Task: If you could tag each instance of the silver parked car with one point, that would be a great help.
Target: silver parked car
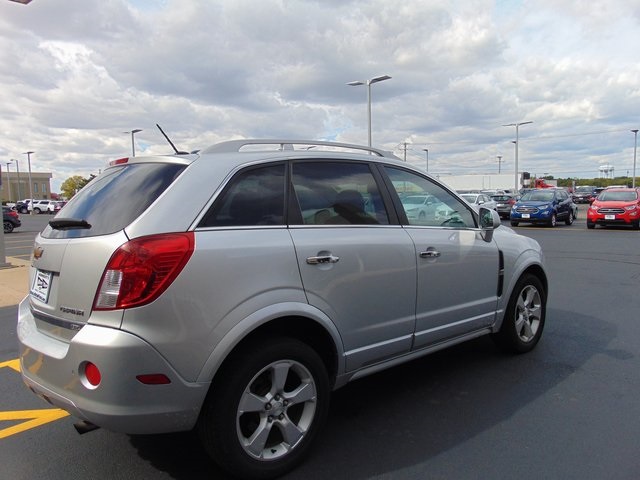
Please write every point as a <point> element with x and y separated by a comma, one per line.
<point>289,272</point>
<point>480,200</point>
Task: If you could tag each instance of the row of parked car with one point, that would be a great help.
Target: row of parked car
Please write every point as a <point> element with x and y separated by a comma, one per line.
<point>38,206</point>
<point>615,205</point>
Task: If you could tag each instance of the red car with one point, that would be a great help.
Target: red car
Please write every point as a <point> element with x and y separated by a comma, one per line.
<point>615,206</point>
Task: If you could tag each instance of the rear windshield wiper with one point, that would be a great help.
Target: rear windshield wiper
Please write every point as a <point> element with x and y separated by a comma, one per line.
<point>68,223</point>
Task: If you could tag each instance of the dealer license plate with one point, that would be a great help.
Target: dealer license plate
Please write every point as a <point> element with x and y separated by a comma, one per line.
<point>609,217</point>
<point>526,215</point>
<point>41,285</point>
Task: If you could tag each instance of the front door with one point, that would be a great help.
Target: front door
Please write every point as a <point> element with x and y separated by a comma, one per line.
<point>457,270</point>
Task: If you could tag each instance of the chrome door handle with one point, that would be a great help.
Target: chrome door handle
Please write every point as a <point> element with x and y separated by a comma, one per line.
<point>430,254</point>
<point>322,259</point>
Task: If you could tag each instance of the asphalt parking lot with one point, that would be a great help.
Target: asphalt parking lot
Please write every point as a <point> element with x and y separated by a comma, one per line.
<point>569,409</point>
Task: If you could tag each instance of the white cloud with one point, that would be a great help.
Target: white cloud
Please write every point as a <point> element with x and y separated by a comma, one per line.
<point>76,75</point>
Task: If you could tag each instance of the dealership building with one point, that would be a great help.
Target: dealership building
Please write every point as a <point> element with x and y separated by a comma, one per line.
<point>15,186</point>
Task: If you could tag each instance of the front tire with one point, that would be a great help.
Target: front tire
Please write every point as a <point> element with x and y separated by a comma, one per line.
<point>524,318</point>
<point>8,227</point>
<point>514,223</point>
<point>553,221</point>
<point>265,408</point>
<point>591,225</point>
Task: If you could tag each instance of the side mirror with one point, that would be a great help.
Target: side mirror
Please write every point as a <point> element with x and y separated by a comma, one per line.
<point>489,221</point>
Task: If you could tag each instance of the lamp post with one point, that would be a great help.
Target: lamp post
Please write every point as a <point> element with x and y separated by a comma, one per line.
<point>18,173</point>
<point>28,154</point>
<point>427,152</point>
<point>517,125</point>
<point>9,178</point>
<point>635,148</point>
<point>133,143</point>
<point>499,162</point>
<point>368,83</point>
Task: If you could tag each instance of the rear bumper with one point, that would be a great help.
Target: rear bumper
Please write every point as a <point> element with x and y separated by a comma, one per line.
<point>53,369</point>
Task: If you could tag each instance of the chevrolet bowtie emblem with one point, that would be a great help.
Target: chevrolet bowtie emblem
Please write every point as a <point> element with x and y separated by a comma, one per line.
<point>37,252</point>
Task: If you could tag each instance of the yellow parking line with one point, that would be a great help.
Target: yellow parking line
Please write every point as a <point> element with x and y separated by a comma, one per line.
<point>34,418</point>
<point>13,364</point>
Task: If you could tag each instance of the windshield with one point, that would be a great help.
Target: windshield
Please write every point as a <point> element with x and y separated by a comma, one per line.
<point>114,199</point>
<point>584,189</point>
<point>618,196</point>
<point>537,196</point>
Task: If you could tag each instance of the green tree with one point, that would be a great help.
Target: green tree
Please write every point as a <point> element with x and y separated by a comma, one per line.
<point>73,185</point>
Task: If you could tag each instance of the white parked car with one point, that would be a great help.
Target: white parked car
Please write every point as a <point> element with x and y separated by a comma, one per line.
<point>480,200</point>
<point>44,206</point>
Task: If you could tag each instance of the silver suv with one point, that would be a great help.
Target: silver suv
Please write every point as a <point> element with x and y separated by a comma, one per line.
<point>289,272</point>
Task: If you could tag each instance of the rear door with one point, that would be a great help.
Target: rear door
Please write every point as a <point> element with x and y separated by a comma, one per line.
<point>357,265</point>
<point>457,270</point>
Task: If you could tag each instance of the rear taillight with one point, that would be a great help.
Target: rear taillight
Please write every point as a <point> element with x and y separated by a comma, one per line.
<point>141,269</point>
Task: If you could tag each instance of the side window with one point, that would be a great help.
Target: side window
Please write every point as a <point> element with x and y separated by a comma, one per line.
<point>253,197</point>
<point>338,193</point>
<point>427,203</point>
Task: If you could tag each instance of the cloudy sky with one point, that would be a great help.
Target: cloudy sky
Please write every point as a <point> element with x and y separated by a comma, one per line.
<point>76,74</point>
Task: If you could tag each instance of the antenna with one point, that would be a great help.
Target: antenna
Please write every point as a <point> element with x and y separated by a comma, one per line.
<point>170,142</point>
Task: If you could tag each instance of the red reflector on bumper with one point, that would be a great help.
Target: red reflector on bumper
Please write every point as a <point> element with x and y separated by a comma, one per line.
<point>153,379</point>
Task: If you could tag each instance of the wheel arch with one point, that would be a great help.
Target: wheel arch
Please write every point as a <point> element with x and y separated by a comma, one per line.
<point>535,269</point>
<point>315,330</point>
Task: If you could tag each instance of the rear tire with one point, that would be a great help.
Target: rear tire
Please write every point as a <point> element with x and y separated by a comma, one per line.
<point>569,219</point>
<point>524,317</point>
<point>265,408</point>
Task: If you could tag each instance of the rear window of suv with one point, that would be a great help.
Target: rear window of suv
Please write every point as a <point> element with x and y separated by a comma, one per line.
<point>116,198</point>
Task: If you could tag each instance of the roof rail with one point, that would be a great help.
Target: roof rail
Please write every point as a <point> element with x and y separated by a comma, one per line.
<point>233,146</point>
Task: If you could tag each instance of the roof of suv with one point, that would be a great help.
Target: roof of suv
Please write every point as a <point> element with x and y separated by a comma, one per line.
<point>237,146</point>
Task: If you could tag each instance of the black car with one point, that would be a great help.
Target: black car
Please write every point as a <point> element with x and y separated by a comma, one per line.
<point>584,194</point>
<point>10,219</point>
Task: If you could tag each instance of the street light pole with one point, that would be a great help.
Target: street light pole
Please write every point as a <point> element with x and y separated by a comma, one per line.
<point>499,162</point>
<point>28,154</point>
<point>368,83</point>
<point>9,179</point>
<point>18,172</point>
<point>635,148</point>
<point>517,125</point>
<point>133,143</point>
<point>427,151</point>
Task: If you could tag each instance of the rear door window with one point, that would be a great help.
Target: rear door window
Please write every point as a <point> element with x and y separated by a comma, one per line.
<point>113,200</point>
<point>338,193</point>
